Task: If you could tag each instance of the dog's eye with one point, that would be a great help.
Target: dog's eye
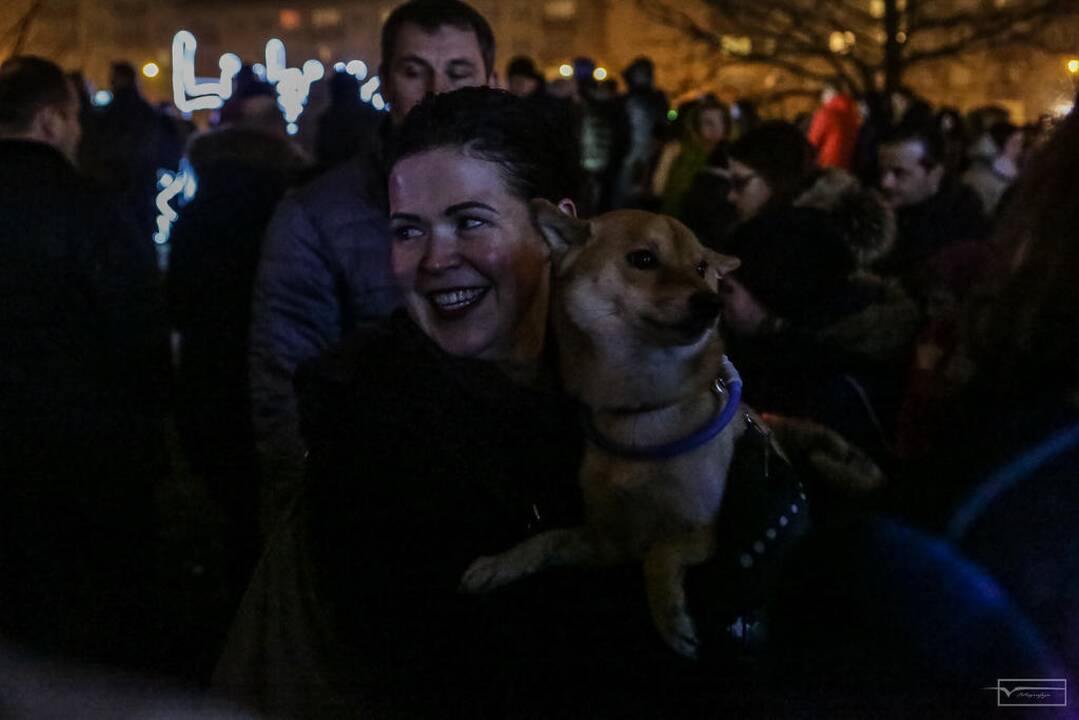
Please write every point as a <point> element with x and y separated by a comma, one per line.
<point>702,267</point>
<point>643,259</point>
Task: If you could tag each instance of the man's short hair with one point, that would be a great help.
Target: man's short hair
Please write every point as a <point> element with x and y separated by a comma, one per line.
<point>433,14</point>
<point>928,136</point>
<point>27,85</point>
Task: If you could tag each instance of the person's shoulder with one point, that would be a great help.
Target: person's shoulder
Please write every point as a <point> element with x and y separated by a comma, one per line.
<point>355,189</point>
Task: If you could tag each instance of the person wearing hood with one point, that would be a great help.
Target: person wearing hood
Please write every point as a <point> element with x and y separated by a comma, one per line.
<point>816,334</point>
<point>243,171</point>
<point>834,130</point>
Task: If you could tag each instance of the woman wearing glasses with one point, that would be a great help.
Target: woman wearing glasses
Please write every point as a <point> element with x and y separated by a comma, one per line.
<point>821,337</point>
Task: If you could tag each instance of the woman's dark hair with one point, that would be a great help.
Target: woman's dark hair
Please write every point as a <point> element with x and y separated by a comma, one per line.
<point>532,140</point>
<point>781,155</point>
<point>431,15</point>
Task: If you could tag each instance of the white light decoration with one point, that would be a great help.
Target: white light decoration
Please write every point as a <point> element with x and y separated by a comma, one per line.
<point>367,90</point>
<point>357,68</point>
<point>259,70</point>
<point>293,84</point>
<point>339,67</point>
<point>189,94</point>
<point>102,98</point>
<point>171,184</point>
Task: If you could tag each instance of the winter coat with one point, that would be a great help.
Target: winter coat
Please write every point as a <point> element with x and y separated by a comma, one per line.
<point>215,244</point>
<point>422,462</point>
<point>80,425</point>
<point>324,268</point>
<point>953,216</point>
<point>839,343</point>
<point>834,132</point>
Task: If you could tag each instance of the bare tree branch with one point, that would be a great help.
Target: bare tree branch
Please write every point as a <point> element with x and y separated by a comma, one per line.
<point>813,40</point>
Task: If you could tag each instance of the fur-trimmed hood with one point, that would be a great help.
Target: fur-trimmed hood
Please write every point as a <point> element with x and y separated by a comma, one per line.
<point>866,224</point>
<point>250,148</point>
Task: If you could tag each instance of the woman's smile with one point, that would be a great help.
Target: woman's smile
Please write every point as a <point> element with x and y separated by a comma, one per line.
<point>456,302</point>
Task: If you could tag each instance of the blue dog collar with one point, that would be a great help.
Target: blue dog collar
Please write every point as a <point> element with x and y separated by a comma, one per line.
<point>731,387</point>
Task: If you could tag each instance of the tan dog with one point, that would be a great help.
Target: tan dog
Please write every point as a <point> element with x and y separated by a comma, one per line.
<point>635,318</point>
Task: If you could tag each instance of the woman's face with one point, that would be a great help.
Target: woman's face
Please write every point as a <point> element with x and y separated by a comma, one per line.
<point>713,127</point>
<point>474,271</point>
<point>749,192</point>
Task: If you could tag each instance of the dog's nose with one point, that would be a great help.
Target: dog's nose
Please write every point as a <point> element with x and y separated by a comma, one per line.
<point>705,305</point>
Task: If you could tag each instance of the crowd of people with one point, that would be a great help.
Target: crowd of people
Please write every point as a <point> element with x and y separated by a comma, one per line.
<point>349,348</point>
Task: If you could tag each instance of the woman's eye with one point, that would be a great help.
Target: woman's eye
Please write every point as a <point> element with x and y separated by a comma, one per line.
<point>643,259</point>
<point>470,223</point>
<point>406,232</point>
<point>702,267</point>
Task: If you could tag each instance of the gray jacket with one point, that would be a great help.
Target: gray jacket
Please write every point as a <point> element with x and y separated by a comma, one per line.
<point>324,269</point>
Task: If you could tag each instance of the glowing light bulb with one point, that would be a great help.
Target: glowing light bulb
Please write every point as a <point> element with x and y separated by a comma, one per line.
<point>672,115</point>
<point>600,74</point>
<point>1073,66</point>
<point>339,67</point>
<point>292,128</point>
<point>566,71</point>
<point>151,70</point>
<point>102,98</point>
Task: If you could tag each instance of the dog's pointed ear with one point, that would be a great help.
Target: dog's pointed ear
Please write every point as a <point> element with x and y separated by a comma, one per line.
<point>561,231</point>
<point>721,264</point>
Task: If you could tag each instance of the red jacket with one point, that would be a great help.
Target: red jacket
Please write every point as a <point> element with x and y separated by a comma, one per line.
<point>834,132</point>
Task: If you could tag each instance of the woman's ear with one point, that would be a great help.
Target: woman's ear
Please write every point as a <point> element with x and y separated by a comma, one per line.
<point>559,224</point>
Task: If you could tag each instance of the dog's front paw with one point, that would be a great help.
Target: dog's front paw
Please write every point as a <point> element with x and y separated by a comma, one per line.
<point>488,573</point>
<point>680,633</point>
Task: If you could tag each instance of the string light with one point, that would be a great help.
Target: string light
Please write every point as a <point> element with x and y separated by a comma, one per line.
<point>102,98</point>
<point>188,93</point>
<point>150,70</point>
<point>170,185</point>
<point>293,85</point>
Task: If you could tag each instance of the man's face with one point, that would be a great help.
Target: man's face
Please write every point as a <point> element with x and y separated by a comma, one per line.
<point>904,178</point>
<point>59,126</point>
<point>438,61</point>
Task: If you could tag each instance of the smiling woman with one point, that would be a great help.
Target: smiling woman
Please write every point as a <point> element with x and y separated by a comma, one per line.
<point>474,270</point>
<point>441,436</point>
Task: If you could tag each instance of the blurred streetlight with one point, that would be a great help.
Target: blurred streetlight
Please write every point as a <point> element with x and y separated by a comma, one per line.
<point>150,70</point>
<point>1073,66</point>
<point>600,74</point>
<point>566,71</point>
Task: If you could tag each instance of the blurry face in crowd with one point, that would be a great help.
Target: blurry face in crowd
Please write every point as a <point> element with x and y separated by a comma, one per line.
<point>713,126</point>
<point>423,62</point>
<point>1013,148</point>
<point>523,85</point>
<point>904,178</point>
<point>749,192</point>
<point>59,126</point>
<point>474,271</point>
